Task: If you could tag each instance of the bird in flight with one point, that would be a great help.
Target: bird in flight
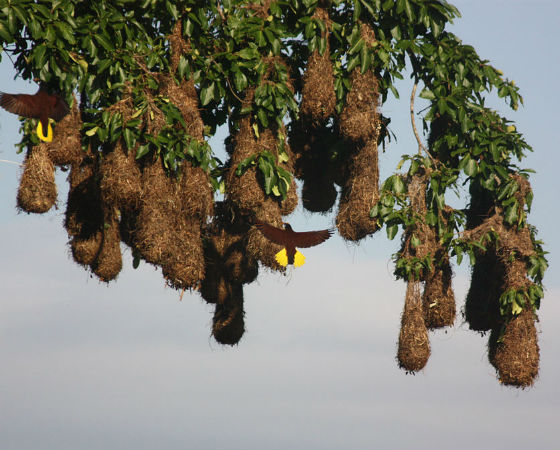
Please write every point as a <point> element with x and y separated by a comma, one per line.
<point>290,240</point>
<point>42,106</point>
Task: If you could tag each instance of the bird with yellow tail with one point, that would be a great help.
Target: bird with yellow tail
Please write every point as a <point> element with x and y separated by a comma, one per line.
<point>290,240</point>
<point>42,105</point>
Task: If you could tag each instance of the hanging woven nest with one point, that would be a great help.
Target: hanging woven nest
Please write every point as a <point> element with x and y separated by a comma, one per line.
<point>84,220</point>
<point>37,188</point>
<point>228,324</point>
<point>108,263</point>
<point>414,344</point>
<point>514,351</point>
<point>120,178</point>
<point>66,146</point>
<point>318,99</point>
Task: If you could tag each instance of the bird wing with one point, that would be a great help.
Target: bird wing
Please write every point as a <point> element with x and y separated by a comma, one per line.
<point>60,109</point>
<point>273,234</point>
<point>20,104</point>
<point>305,239</point>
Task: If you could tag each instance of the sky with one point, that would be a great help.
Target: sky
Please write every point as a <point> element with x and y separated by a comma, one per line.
<point>129,365</point>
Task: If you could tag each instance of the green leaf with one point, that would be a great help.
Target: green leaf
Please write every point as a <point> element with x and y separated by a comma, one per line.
<point>398,185</point>
<point>427,94</point>
<point>471,168</point>
<point>142,151</point>
<point>392,231</point>
<point>207,94</point>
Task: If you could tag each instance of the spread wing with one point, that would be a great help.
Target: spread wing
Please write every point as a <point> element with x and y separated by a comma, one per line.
<point>273,234</point>
<point>20,104</point>
<point>310,238</point>
<point>60,108</point>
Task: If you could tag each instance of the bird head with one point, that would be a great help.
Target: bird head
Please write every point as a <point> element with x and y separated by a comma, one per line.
<point>287,226</point>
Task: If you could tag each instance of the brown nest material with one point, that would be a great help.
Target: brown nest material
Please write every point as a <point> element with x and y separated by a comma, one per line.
<point>195,192</point>
<point>318,193</point>
<point>438,299</point>
<point>225,256</point>
<point>66,146</point>
<point>428,245</point>
<point>177,44</point>
<point>185,98</point>
<point>108,263</point>
<point>228,324</point>
<point>318,98</point>
<point>86,249</point>
<point>500,268</point>
<point>120,178</point>
<point>359,120</point>
<point>37,188</point>
<point>183,267</point>
<point>482,307</point>
<point>245,191</point>
<point>165,234</point>
<point>154,227</point>
<point>259,247</point>
<point>514,351</point>
<point>414,344</point>
<point>359,194</point>
<point>84,216</point>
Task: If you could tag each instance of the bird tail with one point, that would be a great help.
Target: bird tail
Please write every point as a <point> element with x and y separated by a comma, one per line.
<point>41,134</point>
<point>299,259</point>
<point>282,257</point>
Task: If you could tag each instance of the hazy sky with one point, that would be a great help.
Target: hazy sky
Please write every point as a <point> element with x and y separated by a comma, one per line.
<point>129,366</point>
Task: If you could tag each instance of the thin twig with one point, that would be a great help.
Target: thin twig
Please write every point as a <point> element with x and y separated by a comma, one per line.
<point>11,162</point>
<point>412,96</point>
<point>420,145</point>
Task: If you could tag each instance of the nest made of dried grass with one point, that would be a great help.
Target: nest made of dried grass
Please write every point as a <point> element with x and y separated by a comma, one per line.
<point>318,193</point>
<point>37,188</point>
<point>482,308</point>
<point>359,194</point>
<point>359,120</point>
<point>183,265</point>
<point>85,248</point>
<point>195,192</point>
<point>154,228</point>
<point>120,177</point>
<point>258,246</point>
<point>166,235</point>
<point>225,254</point>
<point>84,218</point>
<point>228,324</point>
<point>438,299</point>
<point>503,266</point>
<point>245,191</point>
<point>514,350</point>
<point>83,207</point>
<point>318,98</point>
<point>66,146</point>
<point>108,263</point>
<point>414,344</point>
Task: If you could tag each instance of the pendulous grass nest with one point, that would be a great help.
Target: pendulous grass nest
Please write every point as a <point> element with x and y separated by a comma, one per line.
<point>37,188</point>
<point>414,345</point>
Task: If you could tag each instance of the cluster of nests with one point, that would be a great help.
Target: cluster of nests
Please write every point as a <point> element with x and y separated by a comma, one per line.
<point>512,347</point>
<point>356,127</point>
<point>435,307</point>
<point>172,221</point>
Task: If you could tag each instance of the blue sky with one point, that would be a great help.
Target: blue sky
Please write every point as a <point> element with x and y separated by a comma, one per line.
<point>129,365</point>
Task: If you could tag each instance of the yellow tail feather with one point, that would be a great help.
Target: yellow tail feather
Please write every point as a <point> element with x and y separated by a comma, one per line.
<point>299,259</point>
<point>49,136</point>
<point>282,257</point>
